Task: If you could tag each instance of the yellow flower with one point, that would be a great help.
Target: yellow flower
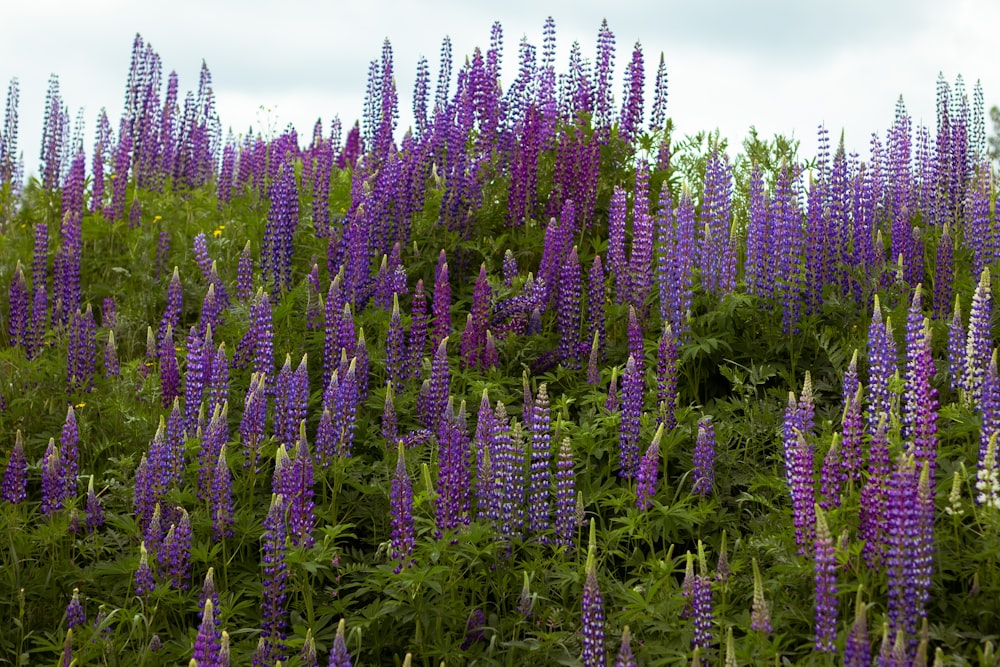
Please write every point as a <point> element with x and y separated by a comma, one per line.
<point>217,233</point>
<point>157,218</point>
<point>80,405</point>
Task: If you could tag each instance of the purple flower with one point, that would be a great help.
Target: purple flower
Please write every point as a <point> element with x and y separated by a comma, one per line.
<point>273,616</point>
<point>401,509</point>
<point>175,302</point>
<point>143,578</point>
<point>177,552</point>
<point>15,478</point>
<point>222,498</point>
<point>95,515</point>
<point>395,359</point>
<point>633,385</point>
<point>956,348</point>
<point>111,365</point>
<point>625,656</point>
<point>616,244</point>
<point>666,377</point>
<point>53,486</point>
<point>19,310</point>
<point>646,483</point>
<point>704,458</point>
<point>858,650</point>
<point>253,420</point>
<point>701,609</point>
<point>441,305</point>
<point>760,611</point>
<point>592,606</point>
<point>339,657</point>
<point>75,615</point>
<point>564,498</point>
<point>596,296</point>
<point>978,346</point>
<point>82,354</point>
<point>206,644</point>
<point>418,331</point>
<point>169,372</point>
<point>825,561</point>
<point>540,442</point>
<point>509,268</point>
<point>799,474</point>
<point>244,275</point>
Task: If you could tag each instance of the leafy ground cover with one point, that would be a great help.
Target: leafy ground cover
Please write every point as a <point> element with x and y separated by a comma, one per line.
<point>541,381</point>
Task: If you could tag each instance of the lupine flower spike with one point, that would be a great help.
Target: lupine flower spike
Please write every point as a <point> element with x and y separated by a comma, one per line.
<point>593,609</point>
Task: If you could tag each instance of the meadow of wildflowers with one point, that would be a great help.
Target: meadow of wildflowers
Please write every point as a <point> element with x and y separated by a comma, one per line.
<point>537,379</point>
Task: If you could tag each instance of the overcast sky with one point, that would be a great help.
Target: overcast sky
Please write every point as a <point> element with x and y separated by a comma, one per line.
<point>782,66</point>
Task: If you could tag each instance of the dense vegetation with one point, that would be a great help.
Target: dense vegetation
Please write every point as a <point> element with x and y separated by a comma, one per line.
<point>541,381</point>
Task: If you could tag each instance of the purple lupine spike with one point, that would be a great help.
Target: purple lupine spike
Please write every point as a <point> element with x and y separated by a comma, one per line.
<point>611,402</point>
<point>82,354</point>
<point>401,509</point>
<point>253,419</point>
<point>15,477</point>
<point>592,609</point>
<point>641,258</point>
<point>914,342</point>
<point>195,373</point>
<point>95,515</point>
<point>301,508</point>
<point>488,508</point>
<point>596,297</point>
<point>286,405</point>
<point>206,644</point>
<point>222,498</point>
<point>922,397</point>
<point>439,386</point>
<point>418,331</point>
<point>760,613</point>
<point>389,420</point>
<point>345,407</point>
<point>563,502</point>
<point>261,335</point>
<point>648,471</point>
<point>858,650</point>
<point>177,548</point>
<point>625,656</point>
<point>666,377</point>
<point>509,268</point>
<point>441,304</point>
<point>799,474</point>
<point>630,120</point>
<point>568,310</point>
<point>339,657</point>
<point>395,360</point>
<point>678,252</point>
<point>593,375</point>
<point>604,66</point>
<point>852,427</point>
<point>18,330</point>
<point>633,386</point>
<point>213,436</point>
<point>882,366</point>
<point>833,475</point>
<point>274,622</point>
<point>244,275</point>
<point>540,443</point>
<point>956,348</point>
<point>989,409</point>
<point>218,377</point>
<point>53,487</point>
<point>111,366</point>
<point>701,611</point>
<point>75,614</point>
<point>704,458</point>
<point>491,357</point>
<point>39,322</point>
<point>874,496</point>
<point>143,578</point>
<point>902,537</point>
<point>825,560</point>
<point>282,219</point>
<point>716,259</point>
<point>616,244</point>
<point>506,455</point>
<point>978,343</point>
<point>69,449</point>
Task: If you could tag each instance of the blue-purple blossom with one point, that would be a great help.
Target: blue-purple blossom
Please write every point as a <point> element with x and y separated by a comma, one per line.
<point>825,562</point>
<point>592,606</point>
<point>401,511</point>
<point>704,458</point>
<point>15,477</point>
